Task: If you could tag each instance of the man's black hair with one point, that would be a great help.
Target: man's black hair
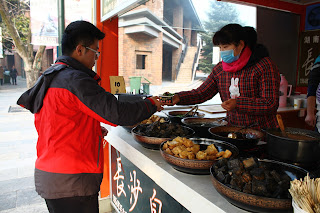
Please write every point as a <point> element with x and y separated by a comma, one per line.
<point>79,32</point>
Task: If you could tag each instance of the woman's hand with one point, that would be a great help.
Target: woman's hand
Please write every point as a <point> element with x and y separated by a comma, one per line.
<point>229,104</point>
<point>175,100</point>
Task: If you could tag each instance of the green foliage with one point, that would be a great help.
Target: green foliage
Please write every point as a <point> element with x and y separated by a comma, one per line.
<point>22,25</point>
<point>221,14</point>
<point>17,11</point>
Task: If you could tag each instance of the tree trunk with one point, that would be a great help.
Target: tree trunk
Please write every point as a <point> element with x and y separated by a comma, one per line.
<point>32,64</point>
<point>29,76</point>
<point>36,66</point>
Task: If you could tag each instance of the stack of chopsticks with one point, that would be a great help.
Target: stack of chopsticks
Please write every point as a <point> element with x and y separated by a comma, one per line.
<point>306,194</point>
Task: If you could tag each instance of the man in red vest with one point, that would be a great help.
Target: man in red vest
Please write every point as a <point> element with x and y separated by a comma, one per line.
<point>69,105</point>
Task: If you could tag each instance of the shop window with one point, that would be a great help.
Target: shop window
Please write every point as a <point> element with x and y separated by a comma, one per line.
<point>141,62</point>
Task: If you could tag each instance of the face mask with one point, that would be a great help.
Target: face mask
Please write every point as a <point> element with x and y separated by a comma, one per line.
<point>228,56</point>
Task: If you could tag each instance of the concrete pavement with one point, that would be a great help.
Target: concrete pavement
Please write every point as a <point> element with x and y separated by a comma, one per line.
<point>18,139</point>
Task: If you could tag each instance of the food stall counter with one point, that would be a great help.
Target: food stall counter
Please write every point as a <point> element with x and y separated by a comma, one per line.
<point>139,176</point>
<point>194,192</point>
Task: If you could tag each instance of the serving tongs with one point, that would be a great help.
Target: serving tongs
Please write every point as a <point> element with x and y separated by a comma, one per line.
<point>215,122</point>
<point>165,113</point>
<point>193,113</point>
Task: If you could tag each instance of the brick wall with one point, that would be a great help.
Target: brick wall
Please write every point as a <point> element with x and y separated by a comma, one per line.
<point>194,38</point>
<point>133,44</point>
<point>187,30</point>
<point>47,59</point>
<point>156,7</point>
<point>130,45</point>
<point>178,23</point>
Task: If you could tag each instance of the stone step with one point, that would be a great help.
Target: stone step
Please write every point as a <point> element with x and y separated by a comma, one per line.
<point>185,72</point>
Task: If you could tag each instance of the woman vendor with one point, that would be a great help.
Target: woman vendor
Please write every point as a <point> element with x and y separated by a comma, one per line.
<point>247,80</point>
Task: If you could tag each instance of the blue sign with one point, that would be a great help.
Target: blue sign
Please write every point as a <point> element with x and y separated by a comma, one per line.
<point>313,17</point>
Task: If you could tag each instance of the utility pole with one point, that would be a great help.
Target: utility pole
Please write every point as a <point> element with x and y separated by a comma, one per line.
<point>61,21</point>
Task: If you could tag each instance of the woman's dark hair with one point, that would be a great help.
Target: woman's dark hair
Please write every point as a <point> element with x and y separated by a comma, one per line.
<point>233,33</point>
<point>79,32</point>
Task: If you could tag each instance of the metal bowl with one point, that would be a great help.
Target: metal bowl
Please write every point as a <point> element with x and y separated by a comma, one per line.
<point>302,152</point>
<point>129,128</point>
<point>254,203</point>
<point>198,166</point>
<point>177,116</point>
<point>155,142</point>
<point>221,133</point>
<point>201,125</point>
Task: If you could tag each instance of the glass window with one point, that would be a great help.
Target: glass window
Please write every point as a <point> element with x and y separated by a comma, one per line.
<point>141,62</point>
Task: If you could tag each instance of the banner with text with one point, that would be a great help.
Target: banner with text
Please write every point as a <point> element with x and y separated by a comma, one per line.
<point>44,18</point>
<point>44,22</point>
<point>133,191</point>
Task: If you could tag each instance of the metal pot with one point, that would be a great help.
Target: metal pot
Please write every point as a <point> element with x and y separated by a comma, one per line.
<point>221,132</point>
<point>201,125</point>
<point>176,116</point>
<point>291,150</point>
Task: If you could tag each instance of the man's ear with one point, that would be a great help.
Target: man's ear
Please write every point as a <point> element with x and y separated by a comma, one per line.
<point>79,50</point>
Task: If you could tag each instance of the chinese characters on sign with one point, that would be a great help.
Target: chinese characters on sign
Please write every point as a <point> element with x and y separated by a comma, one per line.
<point>119,178</point>
<point>309,50</point>
<point>155,203</point>
<point>134,188</point>
<point>133,191</point>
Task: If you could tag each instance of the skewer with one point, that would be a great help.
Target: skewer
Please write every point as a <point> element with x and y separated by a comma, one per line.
<point>306,193</point>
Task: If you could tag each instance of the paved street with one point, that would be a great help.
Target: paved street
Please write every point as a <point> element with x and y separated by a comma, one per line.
<point>17,154</point>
